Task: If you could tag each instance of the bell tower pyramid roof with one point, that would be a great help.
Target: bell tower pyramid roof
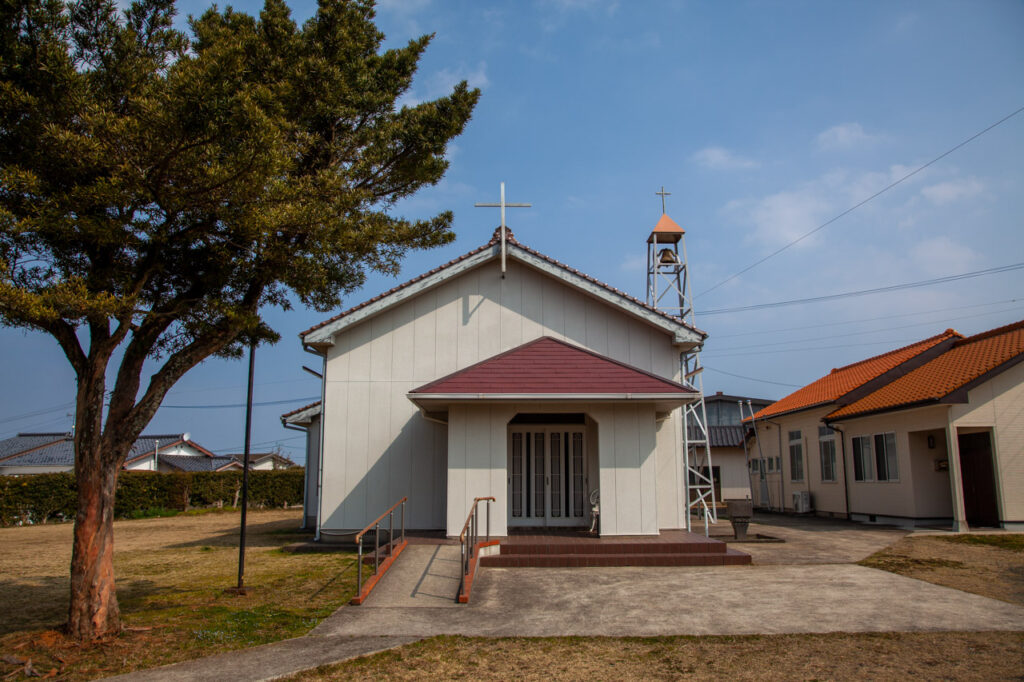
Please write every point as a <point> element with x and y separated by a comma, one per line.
<point>667,231</point>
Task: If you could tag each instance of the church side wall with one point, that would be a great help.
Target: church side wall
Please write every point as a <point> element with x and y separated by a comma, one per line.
<point>377,447</point>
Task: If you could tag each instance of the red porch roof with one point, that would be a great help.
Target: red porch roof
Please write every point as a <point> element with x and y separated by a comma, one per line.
<point>547,367</point>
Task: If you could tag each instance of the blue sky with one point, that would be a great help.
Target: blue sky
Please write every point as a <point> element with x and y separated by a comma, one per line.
<point>764,120</point>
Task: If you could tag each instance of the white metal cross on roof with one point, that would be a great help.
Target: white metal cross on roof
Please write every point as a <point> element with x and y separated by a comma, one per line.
<point>502,205</point>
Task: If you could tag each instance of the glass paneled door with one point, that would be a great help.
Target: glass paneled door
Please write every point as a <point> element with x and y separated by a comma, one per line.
<point>547,481</point>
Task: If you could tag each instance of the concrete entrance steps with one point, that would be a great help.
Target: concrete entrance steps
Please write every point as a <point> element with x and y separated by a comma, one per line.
<point>575,549</point>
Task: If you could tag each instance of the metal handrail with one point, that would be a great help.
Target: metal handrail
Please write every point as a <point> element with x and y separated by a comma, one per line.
<point>375,524</point>
<point>469,537</point>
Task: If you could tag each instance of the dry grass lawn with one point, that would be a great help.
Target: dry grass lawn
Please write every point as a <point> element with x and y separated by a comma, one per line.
<point>897,656</point>
<point>171,577</point>
<point>989,565</point>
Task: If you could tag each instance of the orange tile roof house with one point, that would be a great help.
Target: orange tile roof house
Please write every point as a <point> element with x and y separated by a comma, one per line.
<point>932,433</point>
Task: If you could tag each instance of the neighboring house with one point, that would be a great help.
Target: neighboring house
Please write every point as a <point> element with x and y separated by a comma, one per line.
<point>729,458</point>
<point>41,453</point>
<point>932,433</point>
<point>264,461</point>
<point>529,382</point>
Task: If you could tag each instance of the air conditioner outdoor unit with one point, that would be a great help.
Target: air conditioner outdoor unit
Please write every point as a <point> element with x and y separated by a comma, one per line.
<point>802,502</point>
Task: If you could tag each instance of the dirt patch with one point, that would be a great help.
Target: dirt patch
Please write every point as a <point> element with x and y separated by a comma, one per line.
<point>956,656</point>
<point>989,565</point>
<point>171,575</point>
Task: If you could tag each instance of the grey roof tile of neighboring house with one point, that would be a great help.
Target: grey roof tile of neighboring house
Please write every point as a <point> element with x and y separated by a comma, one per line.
<point>59,453</point>
<point>58,449</point>
<point>722,436</point>
<point>193,463</point>
<point>24,442</point>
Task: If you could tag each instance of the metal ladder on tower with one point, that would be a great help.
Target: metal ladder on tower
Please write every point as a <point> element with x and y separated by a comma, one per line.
<point>668,290</point>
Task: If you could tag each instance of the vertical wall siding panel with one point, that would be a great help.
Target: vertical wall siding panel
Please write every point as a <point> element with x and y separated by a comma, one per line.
<point>488,316</point>
<point>553,307</point>
<point>512,309</point>
<point>648,469</point>
<point>402,427</point>
<point>457,418</point>
<point>597,327</point>
<point>618,339</point>
<point>607,482</point>
<point>533,306</point>
<point>425,338</point>
<point>470,299</point>
<point>499,418</point>
<point>359,460</point>
<point>359,355</point>
<point>381,346</point>
<point>448,321</point>
<point>627,470</point>
<point>403,345</point>
<point>379,440</point>
<point>575,318</point>
<point>640,347</point>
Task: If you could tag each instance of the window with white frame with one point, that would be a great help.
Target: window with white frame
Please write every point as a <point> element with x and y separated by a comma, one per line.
<point>875,458</point>
<point>863,464</point>
<point>827,451</point>
<point>886,463</point>
<point>796,456</point>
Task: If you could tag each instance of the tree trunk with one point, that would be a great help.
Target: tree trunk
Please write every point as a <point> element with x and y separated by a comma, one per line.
<point>94,612</point>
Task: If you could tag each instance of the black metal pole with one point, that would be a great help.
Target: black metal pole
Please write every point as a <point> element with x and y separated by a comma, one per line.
<point>245,468</point>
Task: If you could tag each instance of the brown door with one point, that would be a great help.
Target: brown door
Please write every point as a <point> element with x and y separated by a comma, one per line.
<point>977,472</point>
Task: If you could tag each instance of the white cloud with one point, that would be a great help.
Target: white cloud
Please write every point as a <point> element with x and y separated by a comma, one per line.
<point>720,158</point>
<point>953,190</point>
<point>844,136</point>
<point>942,256</point>
<point>441,83</point>
<point>402,6</point>
<point>634,263</point>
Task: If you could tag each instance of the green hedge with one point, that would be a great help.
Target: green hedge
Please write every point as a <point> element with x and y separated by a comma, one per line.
<point>52,497</point>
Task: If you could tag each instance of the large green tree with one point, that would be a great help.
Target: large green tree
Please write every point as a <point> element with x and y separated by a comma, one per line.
<point>159,188</point>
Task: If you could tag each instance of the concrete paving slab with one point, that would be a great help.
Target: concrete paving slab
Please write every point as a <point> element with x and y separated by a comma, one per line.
<point>811,540</point>
<point>630,601</point>
<point>270,661</point>
<point>423,576</point>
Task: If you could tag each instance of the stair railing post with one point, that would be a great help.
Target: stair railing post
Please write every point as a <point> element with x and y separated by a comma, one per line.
<point>488,520</point>
<point>403,520</point>
<point>391,532</point>
<point>376,547</point>
<point>359,568</point>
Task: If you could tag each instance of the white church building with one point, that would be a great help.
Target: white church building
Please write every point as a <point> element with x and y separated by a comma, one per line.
<point>502,373</point>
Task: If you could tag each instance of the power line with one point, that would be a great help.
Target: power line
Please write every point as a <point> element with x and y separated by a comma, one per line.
<point>894,344</point>
<point>865,292</point>
<point>740,376</point>
<point>858,205</point>
<point>849,334</point>
<point>872,319</point>
<point>215,407</point>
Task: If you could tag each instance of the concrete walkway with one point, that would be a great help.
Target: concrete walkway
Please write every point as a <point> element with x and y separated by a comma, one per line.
<point>634,601</point>
<point>807,584</point>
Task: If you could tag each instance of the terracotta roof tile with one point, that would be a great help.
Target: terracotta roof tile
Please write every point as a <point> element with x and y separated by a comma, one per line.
<point>967,360</point>
<point>551,366</point>
<point>843,380</point>
<point>494,240</point>
<point>300,409</point>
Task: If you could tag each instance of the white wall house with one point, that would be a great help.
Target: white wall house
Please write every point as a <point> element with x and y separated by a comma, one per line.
<point>928,434</point>
<point>538,386</point>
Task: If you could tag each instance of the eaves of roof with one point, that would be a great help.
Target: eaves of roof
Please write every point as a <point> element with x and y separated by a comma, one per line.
<point>849,383</point>
<point>946,378</point>
<point>481,254</point>
<point>296,416</point>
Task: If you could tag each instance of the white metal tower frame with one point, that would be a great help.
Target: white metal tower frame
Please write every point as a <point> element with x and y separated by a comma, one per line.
<point>668,290</point>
